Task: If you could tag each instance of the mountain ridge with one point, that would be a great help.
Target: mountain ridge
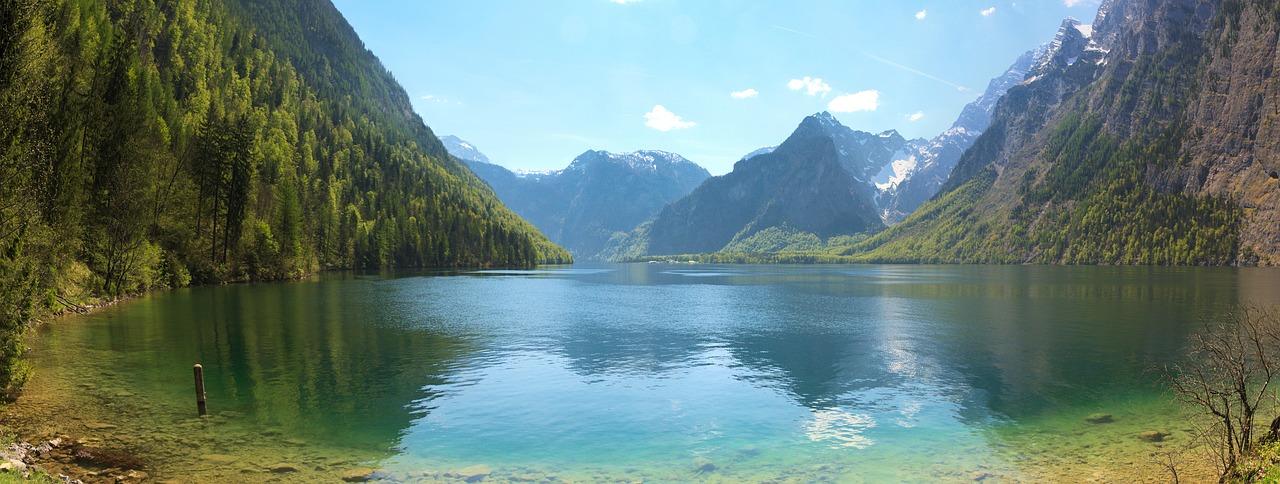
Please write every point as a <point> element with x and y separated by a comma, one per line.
<point>819,182</point>
<point>938,158</point>
<point>1106,157</point>
<point>597,197</point>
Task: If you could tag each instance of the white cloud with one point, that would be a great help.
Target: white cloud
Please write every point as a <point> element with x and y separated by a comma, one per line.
<point>920,15</point>
<point>988,12</point>
<point>918,115</point>
<point>811,84</point>
<point>858,101</point>
<point>663,120</point>
<point>624,2</point>
<point>1072,3</point>
<point>745,93</point>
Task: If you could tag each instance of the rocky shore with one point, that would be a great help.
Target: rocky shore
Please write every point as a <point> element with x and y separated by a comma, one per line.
<point>69,461</point>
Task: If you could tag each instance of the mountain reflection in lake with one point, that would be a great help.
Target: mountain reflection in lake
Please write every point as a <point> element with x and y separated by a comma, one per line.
<point>660,372</point>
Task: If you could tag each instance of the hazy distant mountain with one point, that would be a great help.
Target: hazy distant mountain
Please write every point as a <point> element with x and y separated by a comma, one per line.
<point>760,151</point>
<point>598,196</point>
<point>463,150</point>
<point>820,181</point>
<point>933,163</point>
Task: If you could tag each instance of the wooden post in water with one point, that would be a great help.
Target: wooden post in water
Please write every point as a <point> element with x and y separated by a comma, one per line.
<point>199,371</point>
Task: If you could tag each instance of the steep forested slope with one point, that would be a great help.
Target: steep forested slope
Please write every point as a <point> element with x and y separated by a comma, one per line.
<point>1153,145</point>
<point>151,143</point>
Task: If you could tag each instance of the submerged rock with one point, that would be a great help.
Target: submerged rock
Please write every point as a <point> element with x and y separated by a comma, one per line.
<point>283,468</point>
<point>474,473</point>
<point>1152,436</point>
<point>219,458</point>
<point>359,474</point>
<point>1099,418</point>
<point>704,466</point>
<point>99,426</point>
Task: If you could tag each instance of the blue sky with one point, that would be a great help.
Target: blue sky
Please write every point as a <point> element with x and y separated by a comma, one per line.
<point>533,84</point>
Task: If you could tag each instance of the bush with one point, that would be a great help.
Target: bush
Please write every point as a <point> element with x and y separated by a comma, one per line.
<point>1227,379</point>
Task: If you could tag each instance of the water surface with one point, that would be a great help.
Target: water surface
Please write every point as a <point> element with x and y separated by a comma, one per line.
<point>647,372</point>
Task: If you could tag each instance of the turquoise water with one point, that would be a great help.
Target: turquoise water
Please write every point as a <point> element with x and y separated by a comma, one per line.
<point>656,372</point>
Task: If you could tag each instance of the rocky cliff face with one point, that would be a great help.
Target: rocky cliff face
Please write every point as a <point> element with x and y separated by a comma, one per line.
<point>1232,145</point>
<point>1153,142</point>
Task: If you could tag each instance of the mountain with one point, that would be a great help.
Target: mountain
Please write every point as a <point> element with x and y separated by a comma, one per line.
<point>600,195</point>
<point>760,151</point>
<point>463,150</point>
<point>818,183</point>
<point>928,170</point>
<point>1148,137</point>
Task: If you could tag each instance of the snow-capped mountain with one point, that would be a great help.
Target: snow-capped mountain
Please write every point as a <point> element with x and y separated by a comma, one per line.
<point>760,151</point>
<point>463,150</point>
<point>929,165</point>
<point>598,195</point>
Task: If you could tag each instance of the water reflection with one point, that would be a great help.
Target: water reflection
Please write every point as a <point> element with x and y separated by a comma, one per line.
<point>890,370</point>
<point>311,360</point>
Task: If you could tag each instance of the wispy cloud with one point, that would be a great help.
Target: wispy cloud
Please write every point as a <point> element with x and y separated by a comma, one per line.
<point>858,101</point>
<point>663,120</point>
<point>812,85</point>
<point>921,14</point>
<point>624,2</point>
<point>916,72</point>
<point>916,116</point>
<point>433,99</point>
<point>989,11</point>
<point>779,27</point>
<point>745,93</point>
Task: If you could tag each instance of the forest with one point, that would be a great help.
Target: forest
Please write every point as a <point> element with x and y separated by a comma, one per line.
<point>160,143</point>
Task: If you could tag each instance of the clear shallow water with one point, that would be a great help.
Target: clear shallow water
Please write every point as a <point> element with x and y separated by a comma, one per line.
<point>654,372</point>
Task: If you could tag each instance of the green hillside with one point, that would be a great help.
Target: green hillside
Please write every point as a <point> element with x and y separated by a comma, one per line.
<point>148,144</point>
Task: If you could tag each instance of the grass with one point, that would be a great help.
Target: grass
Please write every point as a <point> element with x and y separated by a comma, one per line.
<point>39,477</point>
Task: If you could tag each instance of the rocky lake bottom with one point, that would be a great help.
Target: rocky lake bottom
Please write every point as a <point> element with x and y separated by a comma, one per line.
<point>429,389</point>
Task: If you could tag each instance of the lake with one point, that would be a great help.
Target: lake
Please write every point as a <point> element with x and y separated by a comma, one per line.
<point>653,372</point>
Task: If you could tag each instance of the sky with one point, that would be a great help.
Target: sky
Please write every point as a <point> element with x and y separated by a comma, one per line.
<point>533,84</point>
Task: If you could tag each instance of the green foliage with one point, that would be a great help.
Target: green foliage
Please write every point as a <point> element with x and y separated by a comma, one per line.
<point>775,239</point>
<point>36,477</point>
<point>773,245</point>
<point>17,306</point>
<point>155,143</point>
<point>183,126</point>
